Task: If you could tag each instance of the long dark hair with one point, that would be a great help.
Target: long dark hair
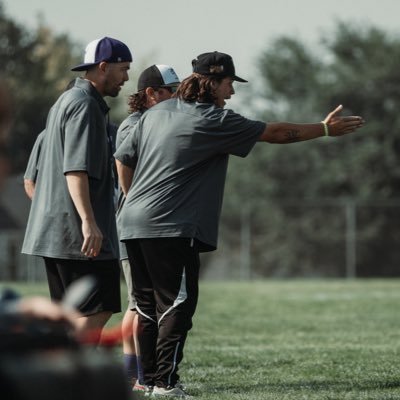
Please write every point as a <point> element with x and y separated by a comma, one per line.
<point>198,88</point>
<point>137,101</point>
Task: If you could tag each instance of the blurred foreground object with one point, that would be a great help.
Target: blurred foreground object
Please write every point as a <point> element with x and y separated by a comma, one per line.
<point>42,356</point>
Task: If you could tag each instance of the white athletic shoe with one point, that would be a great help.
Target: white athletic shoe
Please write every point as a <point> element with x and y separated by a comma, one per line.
<point>176,391</point>
<point>143,389</point>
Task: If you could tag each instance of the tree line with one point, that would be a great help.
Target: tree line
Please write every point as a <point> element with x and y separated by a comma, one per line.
<point>296,198</point>
<point>36,64</point>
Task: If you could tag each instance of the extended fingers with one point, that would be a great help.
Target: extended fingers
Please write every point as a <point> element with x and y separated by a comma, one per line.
<point>342,125</point>
<point>351,118</point>
<point>333,113</point>
<point>336,110</point>
<point>353,123</point>
<point>350,126</point>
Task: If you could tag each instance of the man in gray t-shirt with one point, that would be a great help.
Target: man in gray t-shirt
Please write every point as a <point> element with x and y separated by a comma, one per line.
<point>31,170</point>
<point>72,219</point>
<point>156,83</point>
<point>179,151</point>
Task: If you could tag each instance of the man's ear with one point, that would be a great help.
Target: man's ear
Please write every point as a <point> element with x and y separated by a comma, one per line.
<point>149,92</point>
<point>102,66</point>
<point>214,84</point>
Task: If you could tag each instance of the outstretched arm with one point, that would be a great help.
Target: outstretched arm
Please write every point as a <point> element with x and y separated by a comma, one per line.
<point>334,125</point>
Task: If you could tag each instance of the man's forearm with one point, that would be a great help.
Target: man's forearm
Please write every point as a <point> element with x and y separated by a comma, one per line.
<point>332,125</point>
<point>78,187</point>
<point>285,132</point>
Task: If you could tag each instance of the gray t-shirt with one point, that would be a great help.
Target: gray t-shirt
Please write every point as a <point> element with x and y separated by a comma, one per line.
<point>76,139</point>
<point>181,153</point>
<point>124,129</point>
<point>33,162</point>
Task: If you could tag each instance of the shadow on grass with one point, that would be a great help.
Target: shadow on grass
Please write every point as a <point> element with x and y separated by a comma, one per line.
<point>310,385</point>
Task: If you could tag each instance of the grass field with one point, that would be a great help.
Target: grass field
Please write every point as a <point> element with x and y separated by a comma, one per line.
<point>286,340</point>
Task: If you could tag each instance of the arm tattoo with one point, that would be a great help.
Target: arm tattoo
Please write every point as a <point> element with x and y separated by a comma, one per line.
<point>292,135</point>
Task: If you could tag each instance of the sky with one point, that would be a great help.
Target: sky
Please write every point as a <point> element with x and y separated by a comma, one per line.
<point>176,31</point>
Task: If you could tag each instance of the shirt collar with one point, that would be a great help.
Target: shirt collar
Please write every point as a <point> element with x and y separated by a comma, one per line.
<point>86,85</point>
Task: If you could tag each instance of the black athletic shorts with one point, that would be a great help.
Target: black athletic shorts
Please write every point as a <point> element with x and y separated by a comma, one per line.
<point>106,295</point>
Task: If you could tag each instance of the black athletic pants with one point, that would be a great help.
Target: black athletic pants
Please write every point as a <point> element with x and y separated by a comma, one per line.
<point>165,274</point>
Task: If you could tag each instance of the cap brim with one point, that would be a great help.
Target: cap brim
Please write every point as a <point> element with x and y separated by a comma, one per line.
<point>174,84</point>
<point>83,67</point>
<point>236,78</point>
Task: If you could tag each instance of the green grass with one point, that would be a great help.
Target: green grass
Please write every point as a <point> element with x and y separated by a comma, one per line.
<point>293,340</point>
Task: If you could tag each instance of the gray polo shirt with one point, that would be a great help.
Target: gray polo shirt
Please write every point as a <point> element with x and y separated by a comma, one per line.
<point>124,129</point>
<point>76,139</point>
<point>181,153</point>
<point>33,162</point>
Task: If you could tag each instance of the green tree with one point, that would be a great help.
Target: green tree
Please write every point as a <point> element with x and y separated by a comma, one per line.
<point>294,194</point>
<point>34,64</point>
<point>37,65</point>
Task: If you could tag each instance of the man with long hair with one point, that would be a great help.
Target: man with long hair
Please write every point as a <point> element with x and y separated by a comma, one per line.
<point>155,84</point>
<point>179,152</point>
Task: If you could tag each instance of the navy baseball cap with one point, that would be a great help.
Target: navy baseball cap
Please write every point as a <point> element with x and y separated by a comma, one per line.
<point>106,49</point>
<point>216,64</point>
<point>156,76</point>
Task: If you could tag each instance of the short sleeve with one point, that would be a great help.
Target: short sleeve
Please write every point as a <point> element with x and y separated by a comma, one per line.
<point>85,130</point>
<point>127,151</point>
<point>231,133</point>
<point>33,162</point>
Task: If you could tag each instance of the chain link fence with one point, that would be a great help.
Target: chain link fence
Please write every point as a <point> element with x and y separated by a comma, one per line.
<point>324,238</point>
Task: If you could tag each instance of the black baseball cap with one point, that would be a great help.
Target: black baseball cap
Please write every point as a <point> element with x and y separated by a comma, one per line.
<point>216,64</point>
<point>105,49</point>
<point>156,76</point>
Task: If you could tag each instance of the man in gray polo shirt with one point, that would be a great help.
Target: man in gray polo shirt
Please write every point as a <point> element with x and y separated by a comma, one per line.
<point>31,170</point>
<point>179,152</point>
<point>72,218</point>
<point>155,84</point>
